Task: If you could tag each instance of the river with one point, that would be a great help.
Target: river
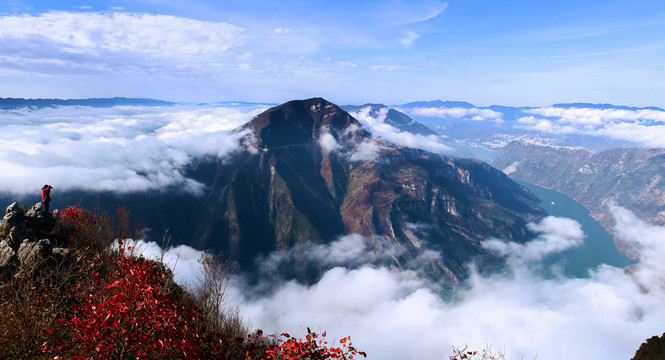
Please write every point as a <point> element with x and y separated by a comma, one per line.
<point>598,247</point>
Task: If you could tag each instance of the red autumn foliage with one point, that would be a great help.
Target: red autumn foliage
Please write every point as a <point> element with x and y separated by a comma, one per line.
<point>313,347</point>
<point>73,215</point>
<point>122,308</point>
<point>84,227</point>
<point>127,315</point>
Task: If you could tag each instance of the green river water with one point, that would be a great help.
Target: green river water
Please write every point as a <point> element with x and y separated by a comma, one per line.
<point>598,247</point>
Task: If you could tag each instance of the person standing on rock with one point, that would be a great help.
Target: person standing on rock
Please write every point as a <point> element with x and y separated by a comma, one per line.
<point>46,196</point>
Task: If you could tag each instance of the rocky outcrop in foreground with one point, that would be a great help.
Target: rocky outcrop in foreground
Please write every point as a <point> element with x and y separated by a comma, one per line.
<point>24,239</point>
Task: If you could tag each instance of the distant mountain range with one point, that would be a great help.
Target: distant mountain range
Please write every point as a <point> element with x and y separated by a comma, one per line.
<point>18,103</point>
<point>604,106</point>
<point>467,105</point>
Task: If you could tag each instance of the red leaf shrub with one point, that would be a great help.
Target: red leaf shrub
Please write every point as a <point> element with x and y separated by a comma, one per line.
<point>128,315</point>
<point>73,215</point>
<point>313,347</point>
<point>83,227</point>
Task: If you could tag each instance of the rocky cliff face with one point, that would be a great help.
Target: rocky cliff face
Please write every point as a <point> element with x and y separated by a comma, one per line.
<point>311,173</point>
<point>633,178</point>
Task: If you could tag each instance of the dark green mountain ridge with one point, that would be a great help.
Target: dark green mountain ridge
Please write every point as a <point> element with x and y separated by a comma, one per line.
<point>287,189</point>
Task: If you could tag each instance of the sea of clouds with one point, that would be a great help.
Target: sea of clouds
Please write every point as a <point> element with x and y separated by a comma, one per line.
<point>134,148</point>
<point>391,314</point>
<point>398,314</point>
<point>121,149</point>
<point>127,149</point>
<point>643,127</point>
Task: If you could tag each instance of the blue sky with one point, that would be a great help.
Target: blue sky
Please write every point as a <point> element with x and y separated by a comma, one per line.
<point>350,52</point>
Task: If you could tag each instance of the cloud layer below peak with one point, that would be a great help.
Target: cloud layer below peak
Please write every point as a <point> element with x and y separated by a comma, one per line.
<point>120,149</point>
<point>396,314</point>
<point>642,127</point>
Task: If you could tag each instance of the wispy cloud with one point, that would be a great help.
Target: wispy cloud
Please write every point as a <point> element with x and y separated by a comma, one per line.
<point>410,37</point>
<point>603,27</point>
<point>387,68</point>
<point>351,251</point>
<point>348,64</point>
<point>366,151</point>
<point>282,30</point>
<point>378,126</point>
<point>570,32</point>
<point>183,260</point>
<point>556,235</point>
<point>66,41</point>
<point>399,12</point>
<point>328,142</point>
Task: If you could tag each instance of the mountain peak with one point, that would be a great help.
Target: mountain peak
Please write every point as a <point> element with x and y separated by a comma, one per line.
<point>301,122</point>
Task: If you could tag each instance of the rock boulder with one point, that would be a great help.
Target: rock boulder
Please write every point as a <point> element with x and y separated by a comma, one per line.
<point>32,253</point>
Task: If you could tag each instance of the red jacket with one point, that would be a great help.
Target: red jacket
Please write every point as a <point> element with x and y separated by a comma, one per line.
<point>46,194</point>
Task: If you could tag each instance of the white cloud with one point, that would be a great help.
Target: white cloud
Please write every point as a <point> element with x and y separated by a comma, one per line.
<point>282,30</point>
<point>182,260</point>
<point>396,314</point>
<point>419,227</point>
<point>650,242</point>
<point>645,127</point>
<point>351,251</point>
<point>528,120</point>
<point>546,126</point>
<point>474,114</point>
<point>114,41</point>
<point>599,116</point>
<point>410,37</point>
<point>387,68</point>
<point>647,136</point>
<point>556,235</point>
<point>377,126</point>
<point>366,151</point>
<point>154,35</point>
<point>328,142</point>
<point>119,149</point>
<point>347,64</point>
<point>401,12</point>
